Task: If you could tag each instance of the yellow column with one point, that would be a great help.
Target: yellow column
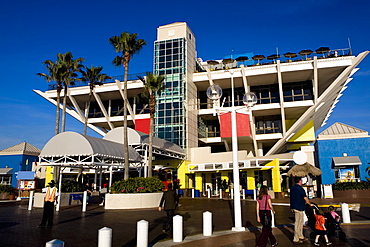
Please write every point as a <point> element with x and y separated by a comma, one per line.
<point>181,173</point>
<point>251,181</point>
<point>198,181</point>
<point>276,182</point>
<point>48,174</point>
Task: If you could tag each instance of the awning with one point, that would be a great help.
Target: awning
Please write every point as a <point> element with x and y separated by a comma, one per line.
<point>347,161</point>
<point>6,171</point>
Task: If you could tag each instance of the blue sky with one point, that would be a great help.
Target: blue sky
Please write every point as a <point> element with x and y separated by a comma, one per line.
<point>34,31</point>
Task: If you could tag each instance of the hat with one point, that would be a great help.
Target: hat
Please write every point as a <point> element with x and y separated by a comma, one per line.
<point>52,182</point>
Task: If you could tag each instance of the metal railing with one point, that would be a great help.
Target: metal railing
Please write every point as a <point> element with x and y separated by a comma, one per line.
<point>78,83</point>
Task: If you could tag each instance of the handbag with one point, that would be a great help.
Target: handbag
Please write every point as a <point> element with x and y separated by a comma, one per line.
<point>266,219</point>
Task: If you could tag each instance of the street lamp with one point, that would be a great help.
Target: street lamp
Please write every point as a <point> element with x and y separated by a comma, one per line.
<point>214,92</point>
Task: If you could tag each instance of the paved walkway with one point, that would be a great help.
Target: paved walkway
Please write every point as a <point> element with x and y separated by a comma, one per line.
<point>18,226</point>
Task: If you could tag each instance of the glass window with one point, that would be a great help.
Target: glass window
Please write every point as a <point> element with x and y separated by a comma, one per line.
<point>161,46</point>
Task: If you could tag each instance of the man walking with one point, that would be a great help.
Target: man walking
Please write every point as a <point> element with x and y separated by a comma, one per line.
<point>298,201</point>
<point>50,199</point>
<point>170,201</point>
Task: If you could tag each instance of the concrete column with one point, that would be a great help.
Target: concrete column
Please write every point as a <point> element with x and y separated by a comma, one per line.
<point>207,223</point>
<point>30,202</point>
<point>345,213</point>
<point>55,243</point>
<point>84,199</point>
<point>105,237</point>
<point>177,229</point>
<point>142,233</point>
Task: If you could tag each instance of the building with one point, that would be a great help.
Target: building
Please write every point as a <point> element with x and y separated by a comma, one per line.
<point>343,154</point>
<point>17,158</point>
<point>294,99</point>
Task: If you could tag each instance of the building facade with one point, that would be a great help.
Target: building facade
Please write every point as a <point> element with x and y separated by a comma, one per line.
<point>294,99</point>
<point>17,158</point>
<point>343,154</point>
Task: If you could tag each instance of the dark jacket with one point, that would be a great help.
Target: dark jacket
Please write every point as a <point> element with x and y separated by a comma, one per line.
<point>170,200</point>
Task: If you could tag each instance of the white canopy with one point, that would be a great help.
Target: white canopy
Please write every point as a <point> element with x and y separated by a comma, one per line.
<point>71,148</point>
<point>137,138</point>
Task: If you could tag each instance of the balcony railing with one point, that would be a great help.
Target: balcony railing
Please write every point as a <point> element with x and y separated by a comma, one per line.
<point>131,77</point>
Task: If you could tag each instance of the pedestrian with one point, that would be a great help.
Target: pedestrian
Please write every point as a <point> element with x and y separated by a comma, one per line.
<point>50,199</point>
<point>298,201</point>
<point>170,201</point>
<point>264,208</point>
<point>320,228</point>
<point>88,189</point>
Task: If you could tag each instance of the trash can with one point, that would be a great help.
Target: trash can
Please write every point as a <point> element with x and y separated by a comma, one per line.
<point>197,193</point>
<point>181,193</point>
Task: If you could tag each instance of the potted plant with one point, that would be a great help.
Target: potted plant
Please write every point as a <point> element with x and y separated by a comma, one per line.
<point>7,191</point>
<point>351,189</point>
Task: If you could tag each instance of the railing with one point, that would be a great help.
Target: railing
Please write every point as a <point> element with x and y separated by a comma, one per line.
<point>265,61</point>
<point>131,77</point>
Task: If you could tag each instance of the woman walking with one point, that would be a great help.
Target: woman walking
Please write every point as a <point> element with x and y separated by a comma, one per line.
<point>264,208</point>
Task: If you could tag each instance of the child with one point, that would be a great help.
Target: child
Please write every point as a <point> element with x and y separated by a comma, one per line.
<point>320,227</point>
<point>335,216</point>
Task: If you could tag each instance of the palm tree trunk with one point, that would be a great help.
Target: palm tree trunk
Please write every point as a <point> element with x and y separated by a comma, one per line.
<point>150,157</point>
<point>125,134</point>
<point>64,109</point>
<point>57,113</point>
<point>87,112</point>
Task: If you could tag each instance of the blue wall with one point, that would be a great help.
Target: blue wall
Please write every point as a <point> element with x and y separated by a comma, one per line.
<point>327,149</point>
<point>18,163</point>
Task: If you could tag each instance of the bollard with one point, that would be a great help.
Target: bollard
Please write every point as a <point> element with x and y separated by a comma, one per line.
<point>84,201</point>
<point>55,243</point>
<point>142,233</point>
<point>243,194</point>
<point>30,202</point>
<point>192,193</point>
<point>272,219</point>
<point>177,229</point>
<point>254,194</point>
<point>345,213</point>
<point>209,193</point>
<point>207,223</point>
<point>105,237</point>
<point>220,193</point>
<point>232,193</point>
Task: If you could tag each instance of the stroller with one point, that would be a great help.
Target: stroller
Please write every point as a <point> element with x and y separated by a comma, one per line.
<point>333,226</point>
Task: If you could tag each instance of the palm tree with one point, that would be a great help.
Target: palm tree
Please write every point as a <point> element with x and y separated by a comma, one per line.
<point>153,85</point>
<point>55,75</point>
<point>71,67</point>
<point>94,77</point>
<point>128,45</point>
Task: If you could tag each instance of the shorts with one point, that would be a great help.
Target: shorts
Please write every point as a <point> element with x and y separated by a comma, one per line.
<point>320,232</point>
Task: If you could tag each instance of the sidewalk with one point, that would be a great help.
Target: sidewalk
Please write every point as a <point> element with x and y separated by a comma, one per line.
<point>18,226</point>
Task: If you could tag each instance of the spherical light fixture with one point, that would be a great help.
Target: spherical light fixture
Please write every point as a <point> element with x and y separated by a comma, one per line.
<point>214,92</point>
<point>250,99</point>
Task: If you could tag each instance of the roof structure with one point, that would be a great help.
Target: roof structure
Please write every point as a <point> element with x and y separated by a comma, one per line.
<point>21,148</point>
<point>342,131</point>
<point>74,149</point>
<point>139,139</point>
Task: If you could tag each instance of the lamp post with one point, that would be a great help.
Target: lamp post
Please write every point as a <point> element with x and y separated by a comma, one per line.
<point>214,92</point>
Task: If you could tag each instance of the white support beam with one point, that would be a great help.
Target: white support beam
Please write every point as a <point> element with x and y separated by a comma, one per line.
<point>105,113</point>
<point>76,106</point>
<point>129,108</point>
<point>72,113</point>
<point>282,110</point>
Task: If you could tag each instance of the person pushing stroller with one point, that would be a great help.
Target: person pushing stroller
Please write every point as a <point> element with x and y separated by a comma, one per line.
<point>320,227</point>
